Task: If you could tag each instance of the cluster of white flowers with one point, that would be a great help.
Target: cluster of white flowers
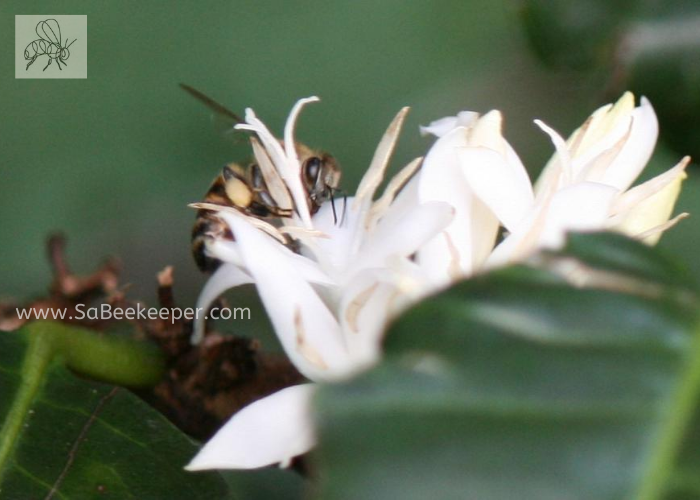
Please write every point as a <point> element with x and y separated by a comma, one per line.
<point>437,221</point>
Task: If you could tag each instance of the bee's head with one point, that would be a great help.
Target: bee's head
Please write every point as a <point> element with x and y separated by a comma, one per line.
<point>320,175</point>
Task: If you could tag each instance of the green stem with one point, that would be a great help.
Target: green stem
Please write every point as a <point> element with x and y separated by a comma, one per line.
<point>40,351</point>
<point>107,358</point>
<point>683,403</point>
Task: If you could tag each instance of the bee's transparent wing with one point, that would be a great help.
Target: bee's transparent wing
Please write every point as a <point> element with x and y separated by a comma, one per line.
<point>50,31</point>
<point>223,118</point>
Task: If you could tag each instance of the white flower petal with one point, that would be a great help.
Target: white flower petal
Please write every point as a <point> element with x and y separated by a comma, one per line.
<point>365,309</point>
<point>651,204</point>
<point>454,252</point>
<point>638,194</point>
<point>581,207</point>
<point>486,132</point>
<point>271,430</point>
<point>418,225</point>
<point>396,184</point>
<point>342,227</point>
<point>225,277</point>
<point>404,201</point>
<point>652,236</point>
<point>561,160</point>
<point>634,155</point>
<point>308,331</point>
<point>492,180</point>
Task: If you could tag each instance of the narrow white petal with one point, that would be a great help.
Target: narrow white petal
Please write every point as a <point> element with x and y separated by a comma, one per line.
<point>308,331</point>
<point>375,173</point>
<point>225,277</point>
<point>289,129</point>
<point>494,182</point>
<point>272,177</point>
<point>638,194</point>
<point>651,204</point>
<point>272,145</point>
<point>562,158</point>
<point>291,174</point>
<point>271,430</point>
<point>653,235</point>
<point>253,221</point>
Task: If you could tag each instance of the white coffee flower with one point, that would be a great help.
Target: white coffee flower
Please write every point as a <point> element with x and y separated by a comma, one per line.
<point>330,302</point>
<point>585,187</point>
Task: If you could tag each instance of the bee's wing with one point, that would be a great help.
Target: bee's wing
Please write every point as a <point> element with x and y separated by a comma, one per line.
<point>50,31</point>
<point>215,106</point>
<point>224,118</point>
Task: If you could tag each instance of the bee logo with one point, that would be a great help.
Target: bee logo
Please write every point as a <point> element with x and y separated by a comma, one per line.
<point>49,43</point>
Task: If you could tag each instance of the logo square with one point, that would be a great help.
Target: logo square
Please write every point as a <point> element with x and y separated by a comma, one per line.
<point>51,46</point>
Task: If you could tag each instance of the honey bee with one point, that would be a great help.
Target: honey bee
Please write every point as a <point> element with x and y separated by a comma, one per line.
<point>246,190</point>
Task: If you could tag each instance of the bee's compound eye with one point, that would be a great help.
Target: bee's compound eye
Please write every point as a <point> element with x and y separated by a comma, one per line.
<point>237,189</point>
<point>312,169</point>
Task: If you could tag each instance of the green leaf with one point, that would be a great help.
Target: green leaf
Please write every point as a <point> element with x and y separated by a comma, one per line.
<point>517,385</point>
<point>64,437</point>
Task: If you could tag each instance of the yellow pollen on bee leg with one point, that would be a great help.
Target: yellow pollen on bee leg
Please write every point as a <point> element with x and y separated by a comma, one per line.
<point>306,350</point>
<point>238,192</point>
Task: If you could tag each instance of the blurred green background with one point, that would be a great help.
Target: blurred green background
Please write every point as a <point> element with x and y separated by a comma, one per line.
<point>113,161</point>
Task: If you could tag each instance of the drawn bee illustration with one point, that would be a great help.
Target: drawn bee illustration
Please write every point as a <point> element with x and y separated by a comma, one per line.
<point>246,190</point>
<point>49,43</point>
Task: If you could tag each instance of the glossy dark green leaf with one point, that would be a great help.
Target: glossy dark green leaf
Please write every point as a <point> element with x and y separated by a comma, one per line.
<point>615,253</point>
<point>83,439</point>
<point>517,385</point>
<point>65,437</point>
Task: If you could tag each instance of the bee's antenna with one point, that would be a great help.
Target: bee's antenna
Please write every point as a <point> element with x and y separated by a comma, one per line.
<point>211,103</point>
<point>335,215</point>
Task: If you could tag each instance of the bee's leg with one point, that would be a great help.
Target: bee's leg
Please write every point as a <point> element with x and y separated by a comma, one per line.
<point>31,62</point>
<point>58,61</point>
<point>49,64</point>
<point>335,215</point>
